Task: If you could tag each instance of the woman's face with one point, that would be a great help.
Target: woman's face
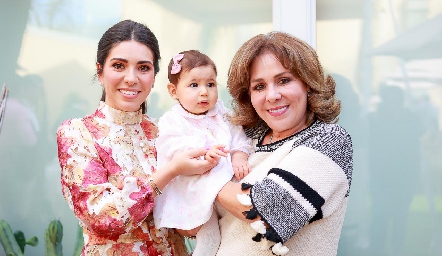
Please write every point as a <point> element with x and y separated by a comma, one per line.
<point>128,75</point>
<point>279,98</point>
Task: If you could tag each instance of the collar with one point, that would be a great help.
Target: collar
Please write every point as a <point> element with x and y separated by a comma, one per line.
<point>212,112</point>
<point>119,116</point>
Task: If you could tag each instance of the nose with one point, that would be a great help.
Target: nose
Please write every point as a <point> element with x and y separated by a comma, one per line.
<point>273,93</point>
<point>203,91</point>
<point>131,77</point>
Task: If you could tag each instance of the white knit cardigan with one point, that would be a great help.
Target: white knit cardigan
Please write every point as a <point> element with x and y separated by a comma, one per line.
<point>299,187</point>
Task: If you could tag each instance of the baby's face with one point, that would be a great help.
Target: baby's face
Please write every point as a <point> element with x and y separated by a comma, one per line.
<point>197,90</point>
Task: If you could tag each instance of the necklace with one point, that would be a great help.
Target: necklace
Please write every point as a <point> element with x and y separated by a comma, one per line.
<point>271,138</point>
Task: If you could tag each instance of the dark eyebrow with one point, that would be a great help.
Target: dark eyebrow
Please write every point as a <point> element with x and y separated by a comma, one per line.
<point>119,59</point>
<point>145,61</point>
<point>277,75</point>
<point>126,61</point>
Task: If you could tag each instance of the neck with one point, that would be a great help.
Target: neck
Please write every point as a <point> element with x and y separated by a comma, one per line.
<point>191,112</point>
<point>279,135</point>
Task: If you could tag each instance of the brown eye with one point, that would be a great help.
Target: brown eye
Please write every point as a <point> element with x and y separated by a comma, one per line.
<point>144,68</point>
<point>284,80</point>
<point>118,66</point>
<point>258,87</point>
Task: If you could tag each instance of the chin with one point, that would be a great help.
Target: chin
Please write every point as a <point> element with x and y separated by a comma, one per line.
<point>130,107</point>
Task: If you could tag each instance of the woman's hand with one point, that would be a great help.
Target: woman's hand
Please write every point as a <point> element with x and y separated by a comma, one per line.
<point>191,162</point>
<point>228,199</point>
<point>188,162</point>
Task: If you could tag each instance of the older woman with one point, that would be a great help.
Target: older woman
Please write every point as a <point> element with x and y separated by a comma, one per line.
<point>295,198</point>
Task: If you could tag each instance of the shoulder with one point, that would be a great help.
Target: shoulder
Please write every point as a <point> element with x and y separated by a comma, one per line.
<point>331,140</point>
<point>72,132</point>
<point>173,115</point>
<point>77,127</point>
<point>69,125</point>
<point>220,109</point>
<point>324,136</point>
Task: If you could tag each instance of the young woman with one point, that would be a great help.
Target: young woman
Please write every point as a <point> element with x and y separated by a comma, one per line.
<point>108,159</point>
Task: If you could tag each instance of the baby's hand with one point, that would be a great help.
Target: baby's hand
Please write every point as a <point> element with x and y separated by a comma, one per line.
<point>214,153</point>
<point>240,165</point>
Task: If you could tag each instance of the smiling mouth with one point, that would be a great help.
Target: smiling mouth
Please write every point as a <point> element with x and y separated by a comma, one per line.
<point>129,93</point>
<point>278,111</point>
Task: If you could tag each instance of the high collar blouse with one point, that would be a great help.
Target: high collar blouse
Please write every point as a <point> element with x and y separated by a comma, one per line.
<point>105,160</point>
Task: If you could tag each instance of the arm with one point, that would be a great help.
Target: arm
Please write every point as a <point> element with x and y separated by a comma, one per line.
<point>227,197</point>
<point>110,207</point>
<point>183,163</point>
<point>97,202</point>
<point>306,185</point>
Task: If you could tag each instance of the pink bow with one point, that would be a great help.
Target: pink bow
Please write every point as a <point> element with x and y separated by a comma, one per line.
<point>176,67</point>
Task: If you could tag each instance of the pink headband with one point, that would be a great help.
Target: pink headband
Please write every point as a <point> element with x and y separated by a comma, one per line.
<point>176,67</point>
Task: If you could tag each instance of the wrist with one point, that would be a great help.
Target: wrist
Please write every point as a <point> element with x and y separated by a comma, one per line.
<point>163,176</point>
<point>171,169</point>
<point>154,186</point>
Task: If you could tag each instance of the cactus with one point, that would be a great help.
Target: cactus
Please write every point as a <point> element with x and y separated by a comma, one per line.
<point>8,240</point>
<point>22,242</point>
<point>79,243</point>
<point>53,237</point>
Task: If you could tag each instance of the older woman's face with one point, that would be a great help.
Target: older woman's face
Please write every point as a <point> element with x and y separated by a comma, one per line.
<point>278,97</point>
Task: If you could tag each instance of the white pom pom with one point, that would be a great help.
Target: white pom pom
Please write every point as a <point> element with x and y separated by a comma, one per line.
<point>259,226</point>
<point>244,199</point>
<point>280,249</point>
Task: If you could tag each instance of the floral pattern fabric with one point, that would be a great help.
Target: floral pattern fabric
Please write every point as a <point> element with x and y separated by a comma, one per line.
<point>105,161</point>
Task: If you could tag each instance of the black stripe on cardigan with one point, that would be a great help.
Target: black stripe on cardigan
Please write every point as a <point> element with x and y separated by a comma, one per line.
<point>305,190</point>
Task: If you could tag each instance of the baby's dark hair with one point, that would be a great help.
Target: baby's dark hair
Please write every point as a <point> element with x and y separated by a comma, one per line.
<point>192,59</point>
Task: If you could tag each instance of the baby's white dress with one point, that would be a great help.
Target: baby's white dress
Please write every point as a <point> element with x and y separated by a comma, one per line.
<point>187,201</point>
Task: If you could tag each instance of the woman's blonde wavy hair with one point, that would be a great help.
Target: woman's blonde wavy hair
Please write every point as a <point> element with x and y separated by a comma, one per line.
<point>294,55</point>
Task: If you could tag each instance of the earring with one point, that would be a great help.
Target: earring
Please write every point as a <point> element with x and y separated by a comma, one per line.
<point>308,94</point>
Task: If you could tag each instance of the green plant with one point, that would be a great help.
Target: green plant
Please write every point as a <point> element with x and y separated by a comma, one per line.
<point>79,242</point>
<point>14,243</point>
<point>53,237</point>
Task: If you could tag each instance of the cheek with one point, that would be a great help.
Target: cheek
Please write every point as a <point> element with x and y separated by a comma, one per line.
<point>111,79</point>
<point>256,101</point>
<point>148,80</point>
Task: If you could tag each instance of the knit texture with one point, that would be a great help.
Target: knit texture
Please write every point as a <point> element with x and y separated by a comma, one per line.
<point>300,189</point>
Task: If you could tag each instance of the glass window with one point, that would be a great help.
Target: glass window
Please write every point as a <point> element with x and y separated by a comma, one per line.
<point>387,62</point>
